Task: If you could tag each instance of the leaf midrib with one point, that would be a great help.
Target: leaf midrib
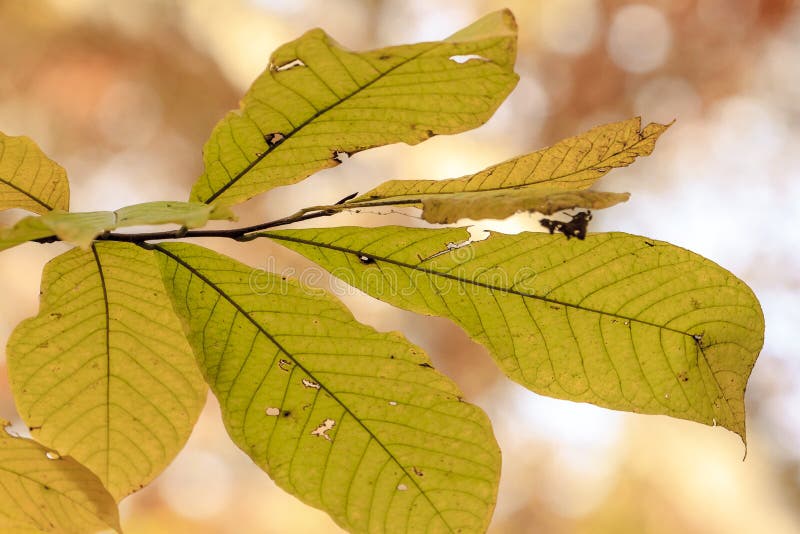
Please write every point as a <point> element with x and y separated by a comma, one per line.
<point>280,347</point>
<point>27,194</point>
<point>108,360</point>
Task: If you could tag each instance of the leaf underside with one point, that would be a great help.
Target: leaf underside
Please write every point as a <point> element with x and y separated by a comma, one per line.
<point>617,320</point>
<point>41,493</point>
<point>572,164</point>
<point>318,100</point>
<point>103,373</point>
<point>350,420</point>
<point>445,209</point>
<point>29,179</point>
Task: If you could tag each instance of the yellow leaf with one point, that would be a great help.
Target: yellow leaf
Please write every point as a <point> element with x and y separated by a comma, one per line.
<point>350,420</point>
<point>29,179</point>
<point>103,373</point>
<point>318,103</point>
<point>570,165</point>
<point>618,320</point>
<point>41,491</point>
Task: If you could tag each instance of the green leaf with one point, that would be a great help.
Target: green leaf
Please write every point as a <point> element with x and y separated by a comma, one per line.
<point>29,179</point>
<point>445,209</point>
<point>618,320</point>
<point>83,227</point>
<point>188,214</point>
<point>350,420</point>
<point>43,492</point>
<point>103,373</point>
<point>570,165</point>
<point>317,100</point>
<point>26,229</point>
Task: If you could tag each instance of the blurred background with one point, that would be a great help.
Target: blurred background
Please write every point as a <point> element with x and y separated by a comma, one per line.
<point>123,95</point>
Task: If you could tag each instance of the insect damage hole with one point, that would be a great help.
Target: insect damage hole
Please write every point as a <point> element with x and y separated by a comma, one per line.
<point>468,57</point>
<point>273,412</point>
<point>287,66</point>
<point>323,429</point>
<point>402,487</point>
<point>274,139</point>
<point>310,384</point>
<point>341,156</point>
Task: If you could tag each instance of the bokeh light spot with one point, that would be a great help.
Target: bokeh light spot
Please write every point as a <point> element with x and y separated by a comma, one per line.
<point>639,38</point>
<point>569,26</point>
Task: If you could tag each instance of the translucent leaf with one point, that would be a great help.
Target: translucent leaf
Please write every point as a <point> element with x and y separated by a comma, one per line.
<point>318,102</point>
<point>445,209</point>
<point>188,214</point>
<point>350,420</point>
<point>29,179</point>
<point>83,227</point>
<point>43,492</point>
<point>26,229</point>
<point>569,165</point>
<point>618,320</point>
<point>103,373</point>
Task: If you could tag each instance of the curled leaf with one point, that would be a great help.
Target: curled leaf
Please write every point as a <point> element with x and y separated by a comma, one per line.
<point>445,209</point>
<point>569,165</point>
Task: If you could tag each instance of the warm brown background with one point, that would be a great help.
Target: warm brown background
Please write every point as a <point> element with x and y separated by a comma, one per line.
<point>124,93</point>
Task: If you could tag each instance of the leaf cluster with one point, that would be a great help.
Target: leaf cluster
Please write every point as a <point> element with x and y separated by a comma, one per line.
<point>112,373</point>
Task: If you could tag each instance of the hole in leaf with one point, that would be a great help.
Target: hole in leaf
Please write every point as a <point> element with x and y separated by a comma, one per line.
<point>52,455</point>
<point>273,412</point>
<point>402,487</point>
<point>392,403</point>
<point>310,384</point>
<point>341,156</point>
<point>274,139</point>
<point>366,260</point>
<point>323,429</point>
<point>468,57</point>
<point>287,66</point>
<point>284,364</point>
